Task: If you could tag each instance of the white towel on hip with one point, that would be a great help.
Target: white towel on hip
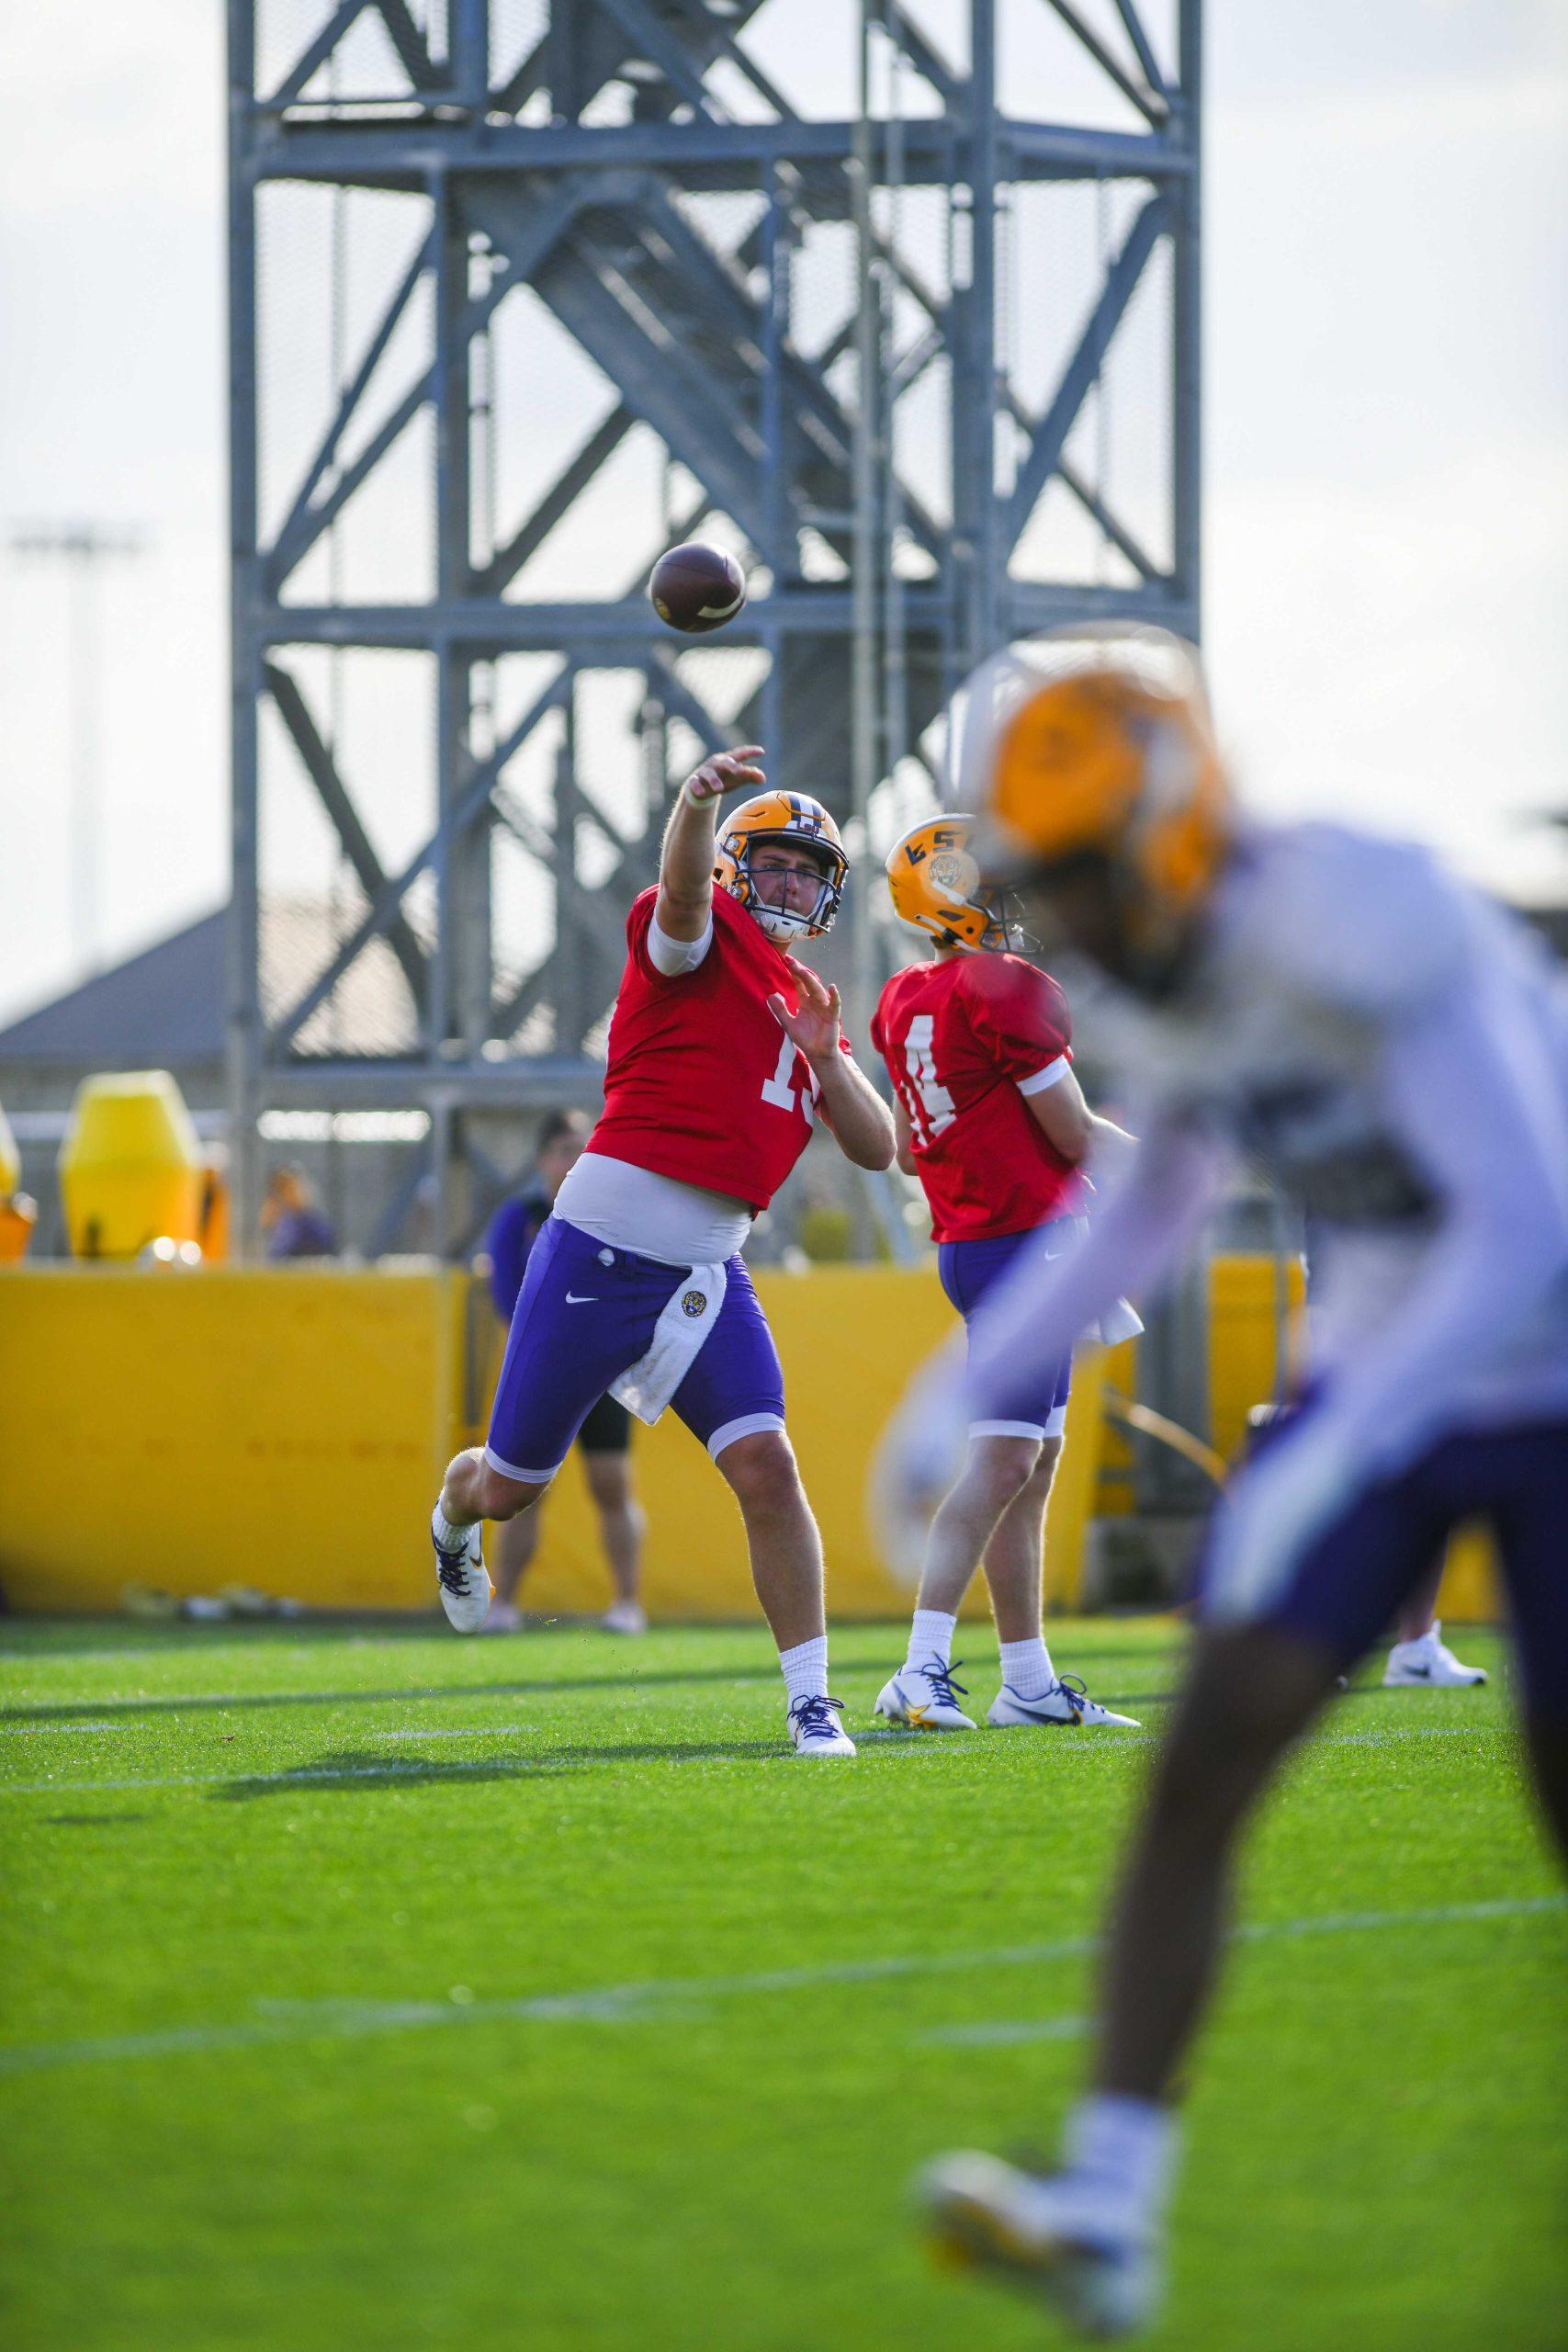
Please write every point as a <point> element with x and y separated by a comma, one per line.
<point>689,1315</point>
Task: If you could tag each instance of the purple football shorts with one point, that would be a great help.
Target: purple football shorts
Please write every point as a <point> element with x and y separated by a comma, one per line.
<point>1349,1583</point>
<point>584,1315</point>
<point>968,1271</point>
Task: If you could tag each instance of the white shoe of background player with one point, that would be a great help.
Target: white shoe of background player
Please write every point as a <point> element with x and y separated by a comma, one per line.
<point>814,1729</point>
<point>922,1698</point>
<point>1051,2233</point>
<point>464,1580</point>
<point>623,1617</point>
<point>1429,1665</point>
<point>1062,1704</point>
<point>506,1617</point>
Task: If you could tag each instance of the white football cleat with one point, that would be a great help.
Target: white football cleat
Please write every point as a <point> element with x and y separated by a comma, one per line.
<point>1429,1665</point>
<point>464,1582</point>
<point>1048,2233</point>
<point>814,1729</point>
<point>1063,1705</point>
<point>922,1699</point>
<point>623,1617</point>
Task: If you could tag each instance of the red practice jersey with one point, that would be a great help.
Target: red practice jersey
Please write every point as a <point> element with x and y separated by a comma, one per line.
<point>701,1083</point>
<point>965,1039</point>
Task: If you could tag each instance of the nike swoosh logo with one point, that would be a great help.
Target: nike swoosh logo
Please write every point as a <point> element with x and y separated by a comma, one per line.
<point>721,612</point>
<point>589,1298</point>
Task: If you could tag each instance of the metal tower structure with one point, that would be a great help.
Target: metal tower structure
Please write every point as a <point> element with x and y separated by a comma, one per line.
<point>896,297</point>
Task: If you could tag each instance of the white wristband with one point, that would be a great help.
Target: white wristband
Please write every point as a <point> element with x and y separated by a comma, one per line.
<point>699,799</point>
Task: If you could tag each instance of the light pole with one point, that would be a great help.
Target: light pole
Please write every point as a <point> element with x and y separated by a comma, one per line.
<point>83,546</point>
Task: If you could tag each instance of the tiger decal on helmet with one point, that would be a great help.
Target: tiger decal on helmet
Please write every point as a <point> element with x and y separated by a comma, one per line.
<point>937,888</point>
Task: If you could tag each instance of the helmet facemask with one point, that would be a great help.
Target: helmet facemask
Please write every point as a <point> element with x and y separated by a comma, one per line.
<point>1099,907</point>
<point>784,926</point>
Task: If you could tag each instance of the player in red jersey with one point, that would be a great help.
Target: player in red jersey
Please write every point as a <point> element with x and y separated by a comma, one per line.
<point>723,1052</point>
<point>992,1121</point>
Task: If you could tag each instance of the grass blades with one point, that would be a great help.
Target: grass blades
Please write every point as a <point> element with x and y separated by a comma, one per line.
<point>368,1987</point>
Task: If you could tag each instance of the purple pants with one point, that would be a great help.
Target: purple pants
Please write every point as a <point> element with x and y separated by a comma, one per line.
<point>585,1314</point>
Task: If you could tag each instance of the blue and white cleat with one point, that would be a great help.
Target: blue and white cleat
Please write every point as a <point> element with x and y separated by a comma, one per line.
<point>925,1698</point>
<point>814,1729</point>
<point>1049,2233</point>
<point>1066,1704</point>
<point>464,1581</point>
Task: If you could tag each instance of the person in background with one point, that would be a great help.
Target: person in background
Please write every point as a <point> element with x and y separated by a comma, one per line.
<point>292,1224</point>
<point>724,1054</point>
<point>989,1116</point>
<point>605,1438</point>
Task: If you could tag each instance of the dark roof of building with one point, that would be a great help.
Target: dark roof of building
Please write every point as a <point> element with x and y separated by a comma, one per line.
<point>164,1008</point>
<point>160,1009</point>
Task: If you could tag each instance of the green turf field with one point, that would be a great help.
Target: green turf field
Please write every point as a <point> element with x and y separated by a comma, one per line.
<point>376,1991</point>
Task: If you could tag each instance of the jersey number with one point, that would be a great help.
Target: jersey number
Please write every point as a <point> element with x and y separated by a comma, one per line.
<point>930,1105</point>
<point>778,1090</point>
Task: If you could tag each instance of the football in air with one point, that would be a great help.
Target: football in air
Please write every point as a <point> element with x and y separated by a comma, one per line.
<point>697,588</point>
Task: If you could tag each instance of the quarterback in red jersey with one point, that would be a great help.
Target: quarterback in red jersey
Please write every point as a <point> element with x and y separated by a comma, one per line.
<point>724,1051</point>
<point>992,1121</point>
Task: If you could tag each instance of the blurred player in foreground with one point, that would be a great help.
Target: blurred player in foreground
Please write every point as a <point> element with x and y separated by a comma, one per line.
<point>723,1052</point>
<point>604,1439</point>
<point>1398,1051</point>
<point>991,1119</point>
<point>1420,1659</point>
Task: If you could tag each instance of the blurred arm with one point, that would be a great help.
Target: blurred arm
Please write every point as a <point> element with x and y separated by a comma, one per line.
<point>1053,1295</point>
<point>1499,1158</point>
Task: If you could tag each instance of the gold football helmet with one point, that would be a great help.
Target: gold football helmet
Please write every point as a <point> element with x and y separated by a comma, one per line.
<point>791,817</point>
<point>1093,752</point>
<point>936,884</point>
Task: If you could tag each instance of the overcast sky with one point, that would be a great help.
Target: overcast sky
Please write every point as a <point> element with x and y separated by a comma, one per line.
<point>1386,454</point>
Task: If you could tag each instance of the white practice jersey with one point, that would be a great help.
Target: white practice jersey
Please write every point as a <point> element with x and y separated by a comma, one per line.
<point>1394,1051</point>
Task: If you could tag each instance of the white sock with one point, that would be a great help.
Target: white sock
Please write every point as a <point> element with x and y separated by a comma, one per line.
<point>931,1635</point>
<point>1027,1668</point>
<point>806,1670</point>
<point>1125,2147</point>
<point>451,1534</point>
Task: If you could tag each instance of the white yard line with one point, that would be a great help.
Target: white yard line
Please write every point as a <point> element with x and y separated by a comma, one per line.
<point>1004,2033</point>
<point>465,1731</point>
<point>1070,1744</point>
<point>33,1730</point>
<point>164,1702</point>
<point>300,1777</point>
<point>653,1998</point>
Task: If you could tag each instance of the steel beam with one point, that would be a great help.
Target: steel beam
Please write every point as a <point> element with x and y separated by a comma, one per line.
<point>245,1045</point>
<point>321,769</point>
<point>698,336</point>
<point>704,156</point>
<point>1082,368</point>
<point>1185,326</point>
